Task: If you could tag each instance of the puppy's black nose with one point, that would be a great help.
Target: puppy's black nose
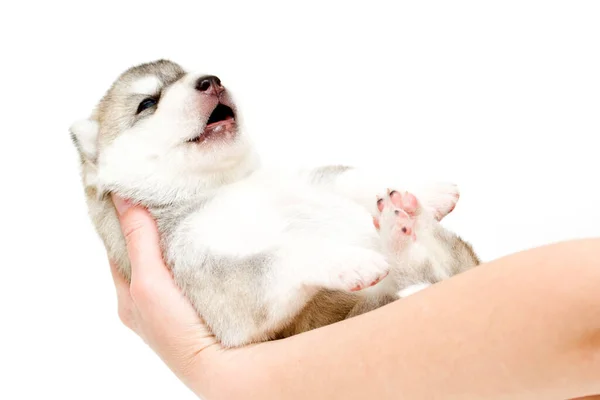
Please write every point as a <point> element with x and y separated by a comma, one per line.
<point>209,84</point>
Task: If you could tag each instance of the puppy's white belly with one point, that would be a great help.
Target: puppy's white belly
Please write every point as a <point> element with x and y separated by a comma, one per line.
<point>257,216</point>
<point>236,224</point>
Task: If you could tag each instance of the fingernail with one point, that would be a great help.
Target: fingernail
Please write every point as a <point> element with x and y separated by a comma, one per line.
<point>120,204</point>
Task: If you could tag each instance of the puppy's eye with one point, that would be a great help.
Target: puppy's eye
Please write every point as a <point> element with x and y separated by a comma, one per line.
<point>145,104</point>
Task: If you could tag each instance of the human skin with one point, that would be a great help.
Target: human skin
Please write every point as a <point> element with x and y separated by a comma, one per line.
<point>525,326</point>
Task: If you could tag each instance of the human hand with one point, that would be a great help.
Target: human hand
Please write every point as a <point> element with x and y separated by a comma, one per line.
<point>155,309</point>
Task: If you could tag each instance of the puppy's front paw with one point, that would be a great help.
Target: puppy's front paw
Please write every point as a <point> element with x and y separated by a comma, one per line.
<point>440,198</point>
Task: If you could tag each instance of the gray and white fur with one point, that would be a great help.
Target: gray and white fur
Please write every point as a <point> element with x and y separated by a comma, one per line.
<point>261,254</point>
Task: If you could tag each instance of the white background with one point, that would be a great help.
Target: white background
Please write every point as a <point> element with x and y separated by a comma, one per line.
<point>502,98</point>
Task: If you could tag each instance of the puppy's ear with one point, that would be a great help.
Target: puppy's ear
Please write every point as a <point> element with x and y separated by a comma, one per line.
<point>84,134</point>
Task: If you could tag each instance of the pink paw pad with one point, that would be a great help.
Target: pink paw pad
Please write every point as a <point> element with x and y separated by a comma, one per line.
<point>406,202</point>
<point>405,206</point>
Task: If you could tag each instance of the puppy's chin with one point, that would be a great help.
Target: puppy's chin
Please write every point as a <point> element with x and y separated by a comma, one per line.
<point>226,157</point>
<point>188,170</point>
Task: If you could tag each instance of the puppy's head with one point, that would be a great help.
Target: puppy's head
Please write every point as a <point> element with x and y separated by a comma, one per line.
<point>160,133</point>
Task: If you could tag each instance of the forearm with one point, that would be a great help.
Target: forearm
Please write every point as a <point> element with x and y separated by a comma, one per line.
<point>525,326</point>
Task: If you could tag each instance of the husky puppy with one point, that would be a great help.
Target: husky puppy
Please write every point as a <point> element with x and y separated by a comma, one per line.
<point>261,254</point>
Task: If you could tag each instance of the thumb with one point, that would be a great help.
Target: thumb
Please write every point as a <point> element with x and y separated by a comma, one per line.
<point>142,239</point>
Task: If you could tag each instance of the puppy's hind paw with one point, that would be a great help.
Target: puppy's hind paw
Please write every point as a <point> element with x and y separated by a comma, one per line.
<point>399,212</point>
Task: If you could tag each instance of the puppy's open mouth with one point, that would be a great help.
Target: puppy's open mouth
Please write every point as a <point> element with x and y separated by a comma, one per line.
<point>220,121</point>
<point>219,114</point>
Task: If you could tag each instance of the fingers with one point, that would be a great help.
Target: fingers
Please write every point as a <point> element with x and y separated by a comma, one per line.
<point>143,243</point>
<point>162,315</point>
<point>124,301</point>
<point>120,283</point>
<point>152,288</point>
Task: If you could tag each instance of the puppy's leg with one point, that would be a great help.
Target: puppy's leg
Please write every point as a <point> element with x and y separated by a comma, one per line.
<point>422,251</point>
<point>248,299</point>
<point>406,229</point>
<point>398,219</point>
<point>361,186</point>
<point>332,266</point>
